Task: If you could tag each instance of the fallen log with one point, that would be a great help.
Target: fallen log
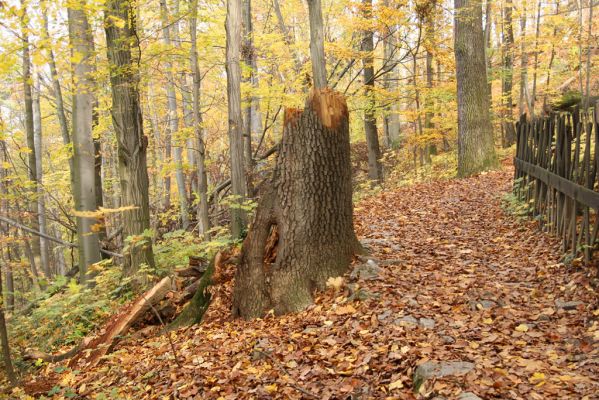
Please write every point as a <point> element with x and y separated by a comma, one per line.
<point>92,349</point>
<point>119,324</point>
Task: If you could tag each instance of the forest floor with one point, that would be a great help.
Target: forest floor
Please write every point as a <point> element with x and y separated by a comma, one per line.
<point>458,286</point>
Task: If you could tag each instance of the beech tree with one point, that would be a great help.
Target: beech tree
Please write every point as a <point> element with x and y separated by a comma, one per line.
<point>83,145</point>
<point>476,150</point>
<point>121,38</point>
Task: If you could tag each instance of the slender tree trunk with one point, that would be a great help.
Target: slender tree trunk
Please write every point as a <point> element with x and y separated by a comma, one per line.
<point>128,126</point>
<point>41,203</point>
<point>203,216</point>
<point>247,52</point>
<point>429,126</point>
<point>508,75</point>
<point>8,369</point>
<point>487,34</point>
<point>319,64</point>
<point>302,234</point>
<point>476,151</point>
<point>391,122</point>
<point>523,63</point>
<point>533,97</point>
<point>238,182</point>
<point>375,171</point>
<point>173,120</point>
<point>83,145</point>
<point>30,132</point>
<point>431,147</point>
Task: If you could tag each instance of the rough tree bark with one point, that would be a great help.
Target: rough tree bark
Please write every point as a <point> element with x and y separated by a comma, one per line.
<point>319,65</point>
<point>127,121</point>
<point>203,216</point>
<point>238,181</point>
<point>507,76</point>
<point>83,146</point>
<point>476,151</point>
<point>303,230</point>
<point>375,170</point>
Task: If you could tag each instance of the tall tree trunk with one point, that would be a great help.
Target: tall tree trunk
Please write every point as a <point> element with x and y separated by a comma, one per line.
<point>238,182</point>
<point>476,151</point>
<point>319,64</point>
<point>487,34</point>
<point>173,120</point>
<point>8,369</point>
<point>247,52</point>
<point>30,132</point>
<point>429,126</point>
<point>41,203</point>
<point>533,97</point>
<point>508,76</point>
<point>391,122</point>
<point>523,100</point>
<point>431,147</point>
<point>203,217</point>
<point>375,171</point>
<point>83,145</point>
<point>303,232</point>
<point>128,126</point>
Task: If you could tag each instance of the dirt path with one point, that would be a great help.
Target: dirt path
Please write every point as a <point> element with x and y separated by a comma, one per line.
<point>457,285</point>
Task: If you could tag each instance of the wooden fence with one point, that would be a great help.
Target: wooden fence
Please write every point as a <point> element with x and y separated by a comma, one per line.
<point>557,168</point>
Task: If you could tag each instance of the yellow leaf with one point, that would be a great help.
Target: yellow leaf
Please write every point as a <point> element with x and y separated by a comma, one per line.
<point>348,309</point>
<point>522,328</point>
<point>271,388</point>
<point>335,283</point>
<point>538,378</point>
<point>488,321</point>
<point>398,384</point>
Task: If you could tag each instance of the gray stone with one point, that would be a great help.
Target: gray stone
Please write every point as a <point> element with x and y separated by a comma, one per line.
<point>468,396</point>
<point>433,369</point>
<point>448,339</point>
<point>407,321</point>
<point>367,271</point>
<point>384,315</point>
<point>567,305</point>
<point>427,323</point>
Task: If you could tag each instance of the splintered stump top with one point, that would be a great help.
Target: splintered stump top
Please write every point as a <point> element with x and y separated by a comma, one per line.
<point>329,105</point>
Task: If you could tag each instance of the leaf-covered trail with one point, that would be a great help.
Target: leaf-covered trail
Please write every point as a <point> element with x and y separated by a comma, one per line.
<point>459,280</point>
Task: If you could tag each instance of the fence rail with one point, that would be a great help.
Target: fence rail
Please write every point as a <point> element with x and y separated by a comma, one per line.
<point>557,167</point>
